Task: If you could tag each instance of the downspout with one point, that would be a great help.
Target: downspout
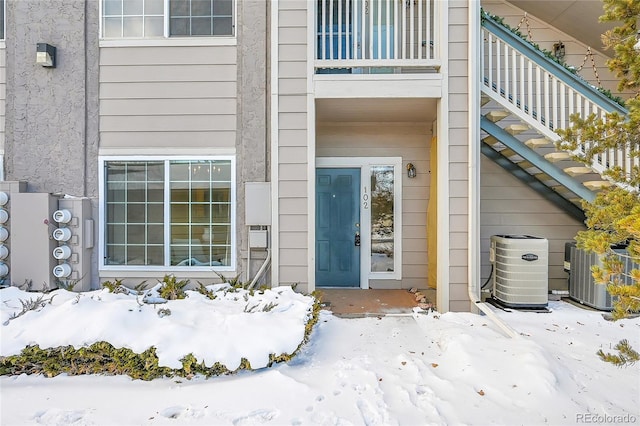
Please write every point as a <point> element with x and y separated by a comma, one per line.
<point>473,260</point>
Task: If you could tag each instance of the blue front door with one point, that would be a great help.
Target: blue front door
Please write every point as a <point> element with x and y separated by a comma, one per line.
<point>338,227</point>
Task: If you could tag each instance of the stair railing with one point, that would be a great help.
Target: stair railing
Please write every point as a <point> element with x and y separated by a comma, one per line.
<point>540,91</point>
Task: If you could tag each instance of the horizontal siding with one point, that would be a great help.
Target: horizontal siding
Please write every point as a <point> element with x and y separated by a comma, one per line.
<point>293,144</point>
<point>294,206</point>
<point>293,18</point>
<point>292,86</point>
<point>510,207</point>
<point>167,123</point>
<point>458,150</point>
<point>411,142</point>
<point>169,55</point>
<point>157,97</point>
<point>167,73</point>
<point>174,139</point>
<point>175,90</point>
<point>154,107</point>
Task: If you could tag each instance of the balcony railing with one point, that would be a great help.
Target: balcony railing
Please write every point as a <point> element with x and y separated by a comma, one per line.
<point>361,34</point>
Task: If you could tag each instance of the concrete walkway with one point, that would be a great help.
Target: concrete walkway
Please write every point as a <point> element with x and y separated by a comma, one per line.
<point>358,303</point>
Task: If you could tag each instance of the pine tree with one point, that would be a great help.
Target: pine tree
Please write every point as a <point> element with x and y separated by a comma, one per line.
<point>614,216</point>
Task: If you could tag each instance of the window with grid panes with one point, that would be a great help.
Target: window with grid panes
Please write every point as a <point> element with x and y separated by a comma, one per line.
<point>169,213</point>
<point>186,18</point>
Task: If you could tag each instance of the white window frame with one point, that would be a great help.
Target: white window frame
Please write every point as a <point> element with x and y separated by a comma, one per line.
<point>167,245</point>
<point>365,164</point>
<point>167,39</point>
<point>4,24</point>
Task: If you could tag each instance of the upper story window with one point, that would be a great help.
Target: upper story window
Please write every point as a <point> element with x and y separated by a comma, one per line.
<point>149,19</point>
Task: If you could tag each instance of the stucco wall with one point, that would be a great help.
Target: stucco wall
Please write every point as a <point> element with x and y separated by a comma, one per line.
<point>252,148</point>
<point>51,113</point>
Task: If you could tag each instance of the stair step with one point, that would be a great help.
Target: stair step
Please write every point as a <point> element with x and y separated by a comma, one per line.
<point>562,190</point>
<point>515,129</point>
<point>497,115</point>
<point>484,99</point>
<point>554,157</point>
<point>543,177</point>
<point>595,185</point>
<point>525,165</point>
<point>534,143</point>
<point>491,140</point>
<point>508,152</point>
<point>577,170</point>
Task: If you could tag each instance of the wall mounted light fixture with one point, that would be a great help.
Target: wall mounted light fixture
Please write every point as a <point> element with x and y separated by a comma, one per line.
<point>46,55</point>
<point>559,50</point>
<point>411,170</point>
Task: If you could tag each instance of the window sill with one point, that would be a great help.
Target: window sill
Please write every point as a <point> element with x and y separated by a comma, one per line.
<point>2,44</point>
<point>168,42</point>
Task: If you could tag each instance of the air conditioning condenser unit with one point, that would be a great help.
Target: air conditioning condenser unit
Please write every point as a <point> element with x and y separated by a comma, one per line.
<point>582,286</point>
<point>520,270</point>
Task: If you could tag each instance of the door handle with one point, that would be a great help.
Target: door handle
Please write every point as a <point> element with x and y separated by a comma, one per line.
<point>357,239</point>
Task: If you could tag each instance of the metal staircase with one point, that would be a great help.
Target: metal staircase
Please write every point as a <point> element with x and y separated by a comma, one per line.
<point>525,96</point>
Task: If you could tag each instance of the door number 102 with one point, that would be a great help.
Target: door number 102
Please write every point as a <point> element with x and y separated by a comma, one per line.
<point>365,199</point>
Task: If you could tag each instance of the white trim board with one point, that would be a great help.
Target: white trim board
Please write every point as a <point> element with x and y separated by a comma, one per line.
<point>377,86</point>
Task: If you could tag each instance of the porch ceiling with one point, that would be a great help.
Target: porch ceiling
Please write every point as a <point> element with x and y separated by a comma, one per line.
<point>376,110</point>
<point>577,18</point>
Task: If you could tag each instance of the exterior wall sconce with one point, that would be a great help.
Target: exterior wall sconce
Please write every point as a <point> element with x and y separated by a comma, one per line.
<point>558,50</point>
<point>411,170</point>
<point>46,55</point>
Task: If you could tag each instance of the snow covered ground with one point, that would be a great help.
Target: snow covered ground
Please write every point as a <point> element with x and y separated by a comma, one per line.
<point>425,368</point>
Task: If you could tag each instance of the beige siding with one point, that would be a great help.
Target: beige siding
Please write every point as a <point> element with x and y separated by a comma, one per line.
<point>545,36</point>
<point>157,97</point>
<point>510,207</point>
<point>411,142</point>
<point>293,144</point>
<point>458,154</point>
<point>3,95</point>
